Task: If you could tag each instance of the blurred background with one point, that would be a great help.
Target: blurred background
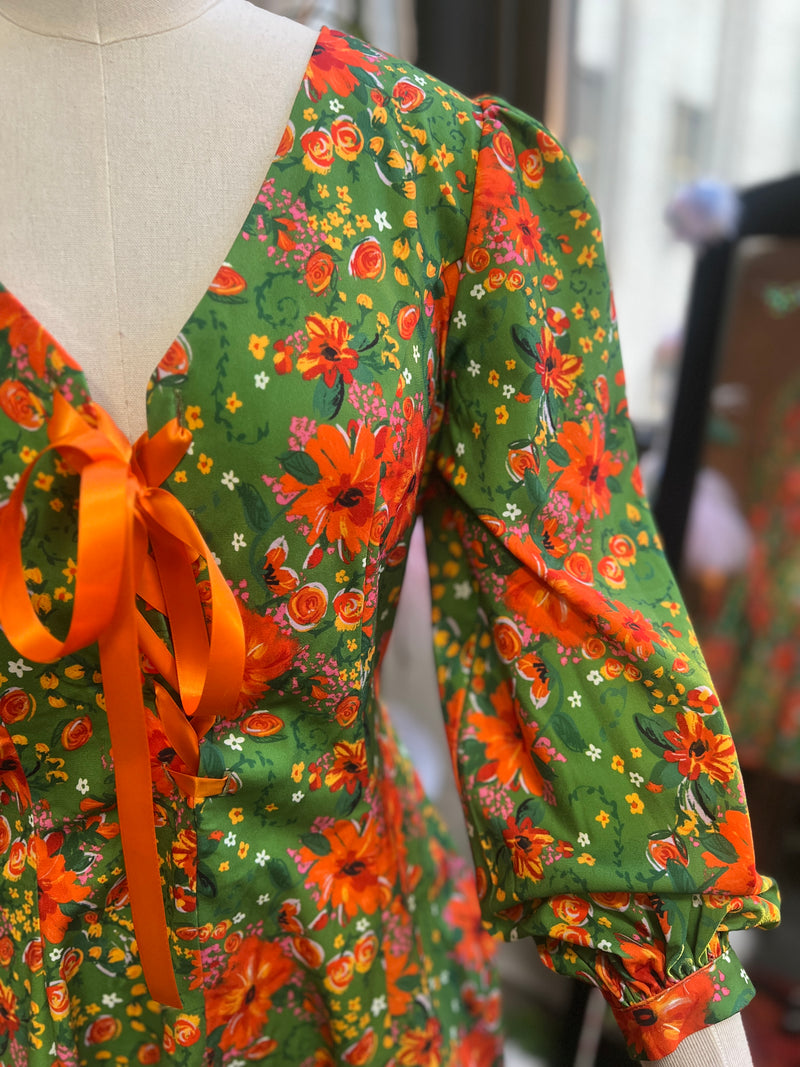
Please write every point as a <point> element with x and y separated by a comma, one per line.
<point>684,118</point>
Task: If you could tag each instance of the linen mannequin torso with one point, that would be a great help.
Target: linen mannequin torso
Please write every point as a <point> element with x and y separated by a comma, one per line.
<point>125,177</point>
<point>133,164</point>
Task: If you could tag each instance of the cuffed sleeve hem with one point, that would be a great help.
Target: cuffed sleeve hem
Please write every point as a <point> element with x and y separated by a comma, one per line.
<point>653,1028</point>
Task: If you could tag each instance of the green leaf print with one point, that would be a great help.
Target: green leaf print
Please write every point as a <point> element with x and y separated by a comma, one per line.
<point>301,466</point>
<point>255,510</point>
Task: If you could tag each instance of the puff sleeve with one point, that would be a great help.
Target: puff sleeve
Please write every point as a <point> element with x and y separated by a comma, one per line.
<point>598,777</point>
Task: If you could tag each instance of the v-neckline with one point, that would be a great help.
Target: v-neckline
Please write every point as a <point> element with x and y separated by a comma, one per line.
<point>72,363</point>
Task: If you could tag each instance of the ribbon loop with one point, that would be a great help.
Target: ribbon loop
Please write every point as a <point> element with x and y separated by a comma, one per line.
<point>135,539</point>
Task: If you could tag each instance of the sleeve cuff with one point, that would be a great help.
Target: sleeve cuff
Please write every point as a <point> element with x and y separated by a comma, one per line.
<point>653,1028</point>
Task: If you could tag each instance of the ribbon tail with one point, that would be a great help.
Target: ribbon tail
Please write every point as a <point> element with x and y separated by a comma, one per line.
<point>119,664</point>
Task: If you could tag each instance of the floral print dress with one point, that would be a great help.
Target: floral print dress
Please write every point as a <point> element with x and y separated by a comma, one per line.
<point>415,318</point>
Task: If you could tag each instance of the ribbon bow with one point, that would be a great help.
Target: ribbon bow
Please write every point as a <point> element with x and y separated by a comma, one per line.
<point>134,539</point>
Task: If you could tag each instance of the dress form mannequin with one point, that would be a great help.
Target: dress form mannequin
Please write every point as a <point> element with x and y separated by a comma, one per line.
<point>124,178</point>
<point>129,160</point>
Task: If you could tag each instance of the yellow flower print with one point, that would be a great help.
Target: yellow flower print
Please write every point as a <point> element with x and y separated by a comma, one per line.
<point>341,576</point>
<point>343,192</point>
<point>586,343</point>
<point>43,481</point>
<point>577,311</point>
<point>587,859</point>
<point>193,420</point>
<point>62,594</point>
<point>310,114</point>
<point>27,455</point>
<point>602,818</point>
<point>460,476</point>
<point>476,430</point>
<point>636,753</point>
<point>581,217</point>
<point>637,805</point>
<point>33,574</point>
<point>494,378</point>
<point>233,403</point>
<point>243,849</point>
<point>236,815</point>
<point>363,222</point>
<point>502,415</point>
<point>446,189</point>
<point>618,764</point>
<point>70,570</point>
<point>258,345</point>
<point>224,866</point>
<point>297,771</point>
<point>179,476</point>
<point>205,463</point>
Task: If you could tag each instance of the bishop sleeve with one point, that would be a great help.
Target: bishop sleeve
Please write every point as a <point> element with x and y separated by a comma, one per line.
<point>597,773</point>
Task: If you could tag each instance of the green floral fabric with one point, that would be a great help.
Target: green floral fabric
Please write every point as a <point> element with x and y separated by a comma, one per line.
<point>414,319</point>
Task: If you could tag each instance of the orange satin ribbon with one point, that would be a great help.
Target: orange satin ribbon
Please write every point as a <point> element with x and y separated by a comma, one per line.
<point>134,538</point>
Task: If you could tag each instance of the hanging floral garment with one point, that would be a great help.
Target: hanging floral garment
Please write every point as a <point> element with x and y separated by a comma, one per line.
<point>414,318</point>
<point>754,643</point>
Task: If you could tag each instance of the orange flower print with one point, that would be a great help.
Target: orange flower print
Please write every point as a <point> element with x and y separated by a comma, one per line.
<point>241,1001</point>
<point>656,1028</point>
<point>544,609</point>
<point>348,140</point>
<point>21,405</point>
<point>399,485</point>
<point>352,875</point>
<point>397,969</point>
<point>476,946</point>
<point>421,1047</point>
<point>585,475</point>
<point>227,282</point>
<point>350,767</point>
<point>175,360</point>
<point>23,329</point>
<point>531,167</point>
<point>57,885</point>
<point>633,630</point>
<point>510,744</point>
<point>278,579</point>
<point>318,148</point>
<point>740,876</point>
<point>349,608</point>
<point>526,843</point>
<point>363,1050</point>
<point>269,653</point>
<point>12,776</point>
<point>334,65</point>
<point>287,141</point>
<point>319,271</point>
<point>557,371</point>
<point>526,231</point>
<point>408,95</point>
<point>367,260</point>
<point>328,353</point>
<point>340,503</point>
<point>307,606</point>
<point>698,750</point>
<point>9,1021</point>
